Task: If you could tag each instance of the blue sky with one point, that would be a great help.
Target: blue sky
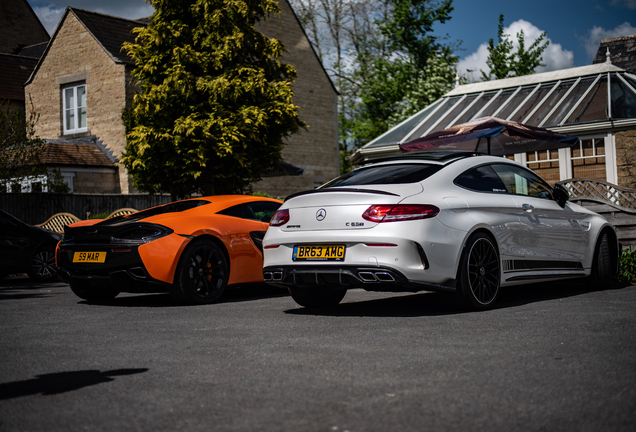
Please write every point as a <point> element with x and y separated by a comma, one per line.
<point>574,27</point>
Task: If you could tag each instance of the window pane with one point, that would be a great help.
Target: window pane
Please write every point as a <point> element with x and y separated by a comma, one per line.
<point>423,128</point>
<point>81,96</point>
<point>588,159</point>
<point>522,182</point>
<point>547,106</point>
<point>532,102</point>
<point>69,99</point>
<point>481,179</point>
<point>400,132</point>
<point>471,113</point>
<point>82,117</point>
<point>623,100</point>
<point>594,107</point>
<point>514,103</point>
<point>503,97</point>
<point>545,163</point>
<point>569,102</point>
<point>385,174</point>
<point>70,119</point>
<point>457,110</point>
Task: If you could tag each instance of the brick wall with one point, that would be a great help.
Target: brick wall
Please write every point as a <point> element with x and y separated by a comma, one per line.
<point>626,158</point>
<point>315,149</point>
<point>95,182</point>
<point>75,55</point>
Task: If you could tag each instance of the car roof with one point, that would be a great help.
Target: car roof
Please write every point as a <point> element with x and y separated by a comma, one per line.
<point>442,157</point>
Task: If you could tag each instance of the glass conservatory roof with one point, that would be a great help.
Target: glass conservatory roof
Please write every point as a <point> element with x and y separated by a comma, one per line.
<point>551,100</point>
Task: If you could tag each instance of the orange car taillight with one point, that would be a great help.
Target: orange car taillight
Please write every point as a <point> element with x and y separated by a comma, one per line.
<point>281,217</point>
<point>400,212</point>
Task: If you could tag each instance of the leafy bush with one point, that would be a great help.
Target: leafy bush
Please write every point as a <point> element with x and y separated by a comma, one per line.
<point>627,267</point>
<point>102,215</point>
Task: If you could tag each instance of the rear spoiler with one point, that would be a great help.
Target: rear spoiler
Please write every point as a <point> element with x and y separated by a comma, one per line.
<point>354,190</point>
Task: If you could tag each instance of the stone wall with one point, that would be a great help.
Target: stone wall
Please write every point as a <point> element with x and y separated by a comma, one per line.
<point>626,158</point>
<point>95,182</point>
<point>75,55</point>
<point>315,149</point>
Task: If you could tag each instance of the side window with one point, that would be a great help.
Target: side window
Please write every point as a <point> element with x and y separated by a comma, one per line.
<point>264,210</point>
<point>520,181</point>
<point>74,108</point>
<point>260,210</point>
<point>481,179</point>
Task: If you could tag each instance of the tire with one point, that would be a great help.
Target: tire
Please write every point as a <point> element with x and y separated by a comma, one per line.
<point>478,276</point>
<point>85,291</point>
<point>602,272</point>
<point>202,273</point>
<point>316,297</point>
<point>42,268</point>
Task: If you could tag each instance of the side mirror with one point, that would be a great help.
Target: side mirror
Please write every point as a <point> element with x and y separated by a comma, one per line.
<point>561,194</point>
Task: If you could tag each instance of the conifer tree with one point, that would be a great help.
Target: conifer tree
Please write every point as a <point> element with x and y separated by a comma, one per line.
<point>505,62</point>
<point>216,102</point>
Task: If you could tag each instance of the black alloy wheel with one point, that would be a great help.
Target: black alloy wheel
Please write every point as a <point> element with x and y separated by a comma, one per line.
<point>43,267</point>
<point>479,273</point>
<point>202,274</point>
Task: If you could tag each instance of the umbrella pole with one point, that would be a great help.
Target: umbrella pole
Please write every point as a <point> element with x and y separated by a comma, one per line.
<point>488,144</point>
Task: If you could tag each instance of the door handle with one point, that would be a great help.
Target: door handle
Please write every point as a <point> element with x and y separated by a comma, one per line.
<point>527,208</point>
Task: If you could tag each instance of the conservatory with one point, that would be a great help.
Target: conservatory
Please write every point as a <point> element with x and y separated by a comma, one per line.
<point>595,103</point>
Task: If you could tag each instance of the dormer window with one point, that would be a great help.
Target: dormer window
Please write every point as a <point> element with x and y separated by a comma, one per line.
<point>74,106</point>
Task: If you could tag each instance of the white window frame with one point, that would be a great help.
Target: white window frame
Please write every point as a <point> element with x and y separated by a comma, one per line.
<point>565,158</point>
<point>75,109</point>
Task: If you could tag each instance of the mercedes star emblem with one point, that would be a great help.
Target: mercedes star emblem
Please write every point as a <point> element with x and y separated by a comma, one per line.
<point>321,214</point>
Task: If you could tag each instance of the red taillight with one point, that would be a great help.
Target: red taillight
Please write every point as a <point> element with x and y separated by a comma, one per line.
<point>401,212</point>
<point>281,217</point>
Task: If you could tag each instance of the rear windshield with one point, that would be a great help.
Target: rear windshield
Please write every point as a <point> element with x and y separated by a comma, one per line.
<point>385,174</point>
<point>174,207</point>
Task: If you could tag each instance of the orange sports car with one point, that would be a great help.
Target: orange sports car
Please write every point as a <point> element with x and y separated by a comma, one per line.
<point>192,249</point>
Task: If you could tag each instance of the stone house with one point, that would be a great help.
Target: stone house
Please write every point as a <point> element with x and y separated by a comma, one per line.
<point>82,83</point>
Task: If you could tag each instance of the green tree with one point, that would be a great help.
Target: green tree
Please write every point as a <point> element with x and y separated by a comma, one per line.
<point>379,55</point>
<point>426,89</point>
<point>216,102</point>
<point>505,62</point>
<point>20,147</point>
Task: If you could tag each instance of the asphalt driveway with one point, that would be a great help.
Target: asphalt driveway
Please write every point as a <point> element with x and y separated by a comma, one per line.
<point>549,357</point>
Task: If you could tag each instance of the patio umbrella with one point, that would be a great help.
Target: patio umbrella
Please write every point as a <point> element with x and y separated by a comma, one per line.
<point>493,136</point>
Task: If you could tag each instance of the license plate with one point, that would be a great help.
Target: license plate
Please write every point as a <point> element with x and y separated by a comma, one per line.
<point>319,253</point>
<point>89,257</point>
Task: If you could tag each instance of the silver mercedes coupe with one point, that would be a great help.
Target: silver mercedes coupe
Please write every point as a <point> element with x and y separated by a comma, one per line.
<point>459,222</point>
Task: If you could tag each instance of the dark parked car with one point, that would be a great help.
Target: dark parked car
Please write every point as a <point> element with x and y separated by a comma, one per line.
<point>27,248</point>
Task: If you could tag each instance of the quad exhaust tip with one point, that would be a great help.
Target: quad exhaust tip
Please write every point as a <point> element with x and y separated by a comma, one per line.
<point>273,276</point>
<point>376,276</point>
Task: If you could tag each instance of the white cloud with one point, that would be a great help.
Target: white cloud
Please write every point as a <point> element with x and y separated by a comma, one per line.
<point>49,17</point>
<point>51,11</point>
<point>629,4</point>
<point>554,57</point>
<point>596,34</point>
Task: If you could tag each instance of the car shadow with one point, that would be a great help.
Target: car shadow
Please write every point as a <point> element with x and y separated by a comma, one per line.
<point>435,303</point>
<point>61,382</point>
<point>233,294</point>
